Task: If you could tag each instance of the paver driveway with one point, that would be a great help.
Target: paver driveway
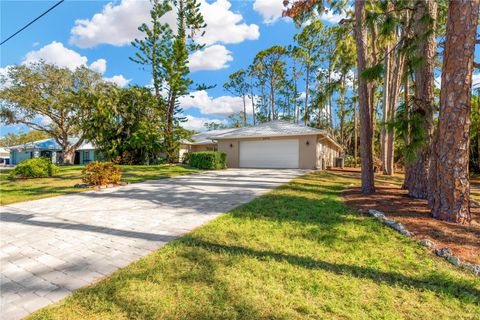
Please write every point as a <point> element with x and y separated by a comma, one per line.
<point>50,247</point>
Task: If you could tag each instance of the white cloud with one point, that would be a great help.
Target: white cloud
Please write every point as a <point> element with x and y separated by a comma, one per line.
<point>221,106</point>
<point>331,17</point>
<point>476,80</point>
<point>4,76</point>
<point>118,80</point>
<point>211,58</point>
<point>198,124</point>
<point>270,10</point>
<point>99,65</point>
<point>56,53</point>
<point>225,26</point>
<point>118,24</point>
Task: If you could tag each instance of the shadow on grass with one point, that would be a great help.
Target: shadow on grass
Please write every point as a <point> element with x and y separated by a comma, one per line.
<point>436,282</point>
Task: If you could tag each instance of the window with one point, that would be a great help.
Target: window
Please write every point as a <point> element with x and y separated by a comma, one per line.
<point>86,156</point>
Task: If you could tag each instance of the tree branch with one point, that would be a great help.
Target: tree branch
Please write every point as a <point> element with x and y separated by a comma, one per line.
<point>476,65</point>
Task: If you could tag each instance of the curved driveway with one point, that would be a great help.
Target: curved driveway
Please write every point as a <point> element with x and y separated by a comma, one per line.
<point>50,247</point>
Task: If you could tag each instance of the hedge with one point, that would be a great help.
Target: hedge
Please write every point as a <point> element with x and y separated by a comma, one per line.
<point>34,168</point>
<point>101,173</point>
<point>208,160</point>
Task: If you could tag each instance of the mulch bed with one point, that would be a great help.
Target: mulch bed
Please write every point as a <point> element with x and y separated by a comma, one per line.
<point>414,214</point>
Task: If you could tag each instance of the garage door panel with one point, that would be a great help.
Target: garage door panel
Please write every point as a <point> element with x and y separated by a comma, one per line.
<point>269,154</point>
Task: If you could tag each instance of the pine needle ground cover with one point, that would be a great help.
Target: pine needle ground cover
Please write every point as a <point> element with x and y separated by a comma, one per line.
<point>295,253</point>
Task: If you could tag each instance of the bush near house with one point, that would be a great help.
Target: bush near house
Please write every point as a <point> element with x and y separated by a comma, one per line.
<point>101,173</point>
<point>208,160</point>
<point>34,168</point>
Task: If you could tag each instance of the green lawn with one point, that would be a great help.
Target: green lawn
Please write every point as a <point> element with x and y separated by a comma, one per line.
<point>295,253</point>
<point>31,189</point>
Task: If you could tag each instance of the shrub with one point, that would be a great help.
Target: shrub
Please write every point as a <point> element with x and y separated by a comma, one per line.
<point>34,168</point>
<point>186,158</point>
<point>208,160</point>
<point>101,173</point>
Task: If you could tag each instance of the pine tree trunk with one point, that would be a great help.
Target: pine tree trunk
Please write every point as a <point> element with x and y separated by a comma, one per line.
<point>366,130</point>
<point>244,111</point>
<point>307,83</point>
<point>355,123</point>
<point>342,111</point>
<point>450,197</point>
<point>386,100</point>
<point>424,100</point>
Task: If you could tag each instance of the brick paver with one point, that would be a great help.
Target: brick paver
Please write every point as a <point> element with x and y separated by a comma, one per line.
<point>50,247</point>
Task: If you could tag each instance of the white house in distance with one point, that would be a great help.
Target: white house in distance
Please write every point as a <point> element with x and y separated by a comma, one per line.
<point>4,156</point>
<point>49,148</point>
<point>274,144</point>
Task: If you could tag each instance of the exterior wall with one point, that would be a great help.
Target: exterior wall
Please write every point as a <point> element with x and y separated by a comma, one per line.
<point>17,156</point>
<point>231,148</point>
<point>87,156</point>
<point>307,153</point>
<point>326,152</point>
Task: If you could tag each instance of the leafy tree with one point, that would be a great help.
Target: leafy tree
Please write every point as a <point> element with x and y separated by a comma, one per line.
<point>272,67</point>
<point>214,126</point>
<point>238,85</point>
<point>125,124</point>
<point>11,139</point>
<point>166,53</point>
<point>309,42</point>
<point>48,99</point>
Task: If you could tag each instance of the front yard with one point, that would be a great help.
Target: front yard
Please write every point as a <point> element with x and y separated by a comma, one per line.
<point>62,183</point>
<point>295,253</point>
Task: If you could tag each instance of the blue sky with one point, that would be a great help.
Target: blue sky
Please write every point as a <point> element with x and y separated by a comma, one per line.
<point>98,34</point>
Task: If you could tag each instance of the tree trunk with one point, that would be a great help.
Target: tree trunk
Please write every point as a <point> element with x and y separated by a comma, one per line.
<point>253,102</point>
<point>386,100</point>
<point>272,98</point>
<point>330,97</point>
<point>355,123</point>
<point>450,198</point>
<point>307,82</point>
<point>366,132</point>
<point>342,110</point>
<point>68,155</point>
<point>423,102</point>
<point>244,111</point>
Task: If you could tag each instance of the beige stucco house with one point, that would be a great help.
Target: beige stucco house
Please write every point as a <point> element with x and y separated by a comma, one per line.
<point>274,144</point>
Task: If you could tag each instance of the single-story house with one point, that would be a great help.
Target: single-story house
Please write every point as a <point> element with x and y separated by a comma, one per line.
<point>49,148</point>
<point>274,144</point>
<point>4,156</point>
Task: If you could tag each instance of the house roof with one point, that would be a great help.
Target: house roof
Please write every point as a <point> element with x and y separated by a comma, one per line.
<point>206,137</point>
<point>276,128</point>
<point>51,144</point>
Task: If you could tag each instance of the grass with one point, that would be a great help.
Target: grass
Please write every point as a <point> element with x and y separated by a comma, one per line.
<point>295,253</point>
<point>31,189</point>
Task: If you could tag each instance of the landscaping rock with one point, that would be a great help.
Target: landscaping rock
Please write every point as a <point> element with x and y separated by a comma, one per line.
<point>454,260</point>
<point>375,213</point>
<point>474,203</point>
<point>427,243</point>
<point>82,185</point>
<point>389,222</point>
<point>444,252</point>
<point>472,267</point>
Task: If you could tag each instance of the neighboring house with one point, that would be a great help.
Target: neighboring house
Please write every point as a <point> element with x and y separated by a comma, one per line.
<point>4,156</point>
<point>274,144</point>
<point>202,141</point>
<point>49,148</point>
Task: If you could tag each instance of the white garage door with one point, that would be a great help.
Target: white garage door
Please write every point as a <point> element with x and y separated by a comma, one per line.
<point>269,154</point>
